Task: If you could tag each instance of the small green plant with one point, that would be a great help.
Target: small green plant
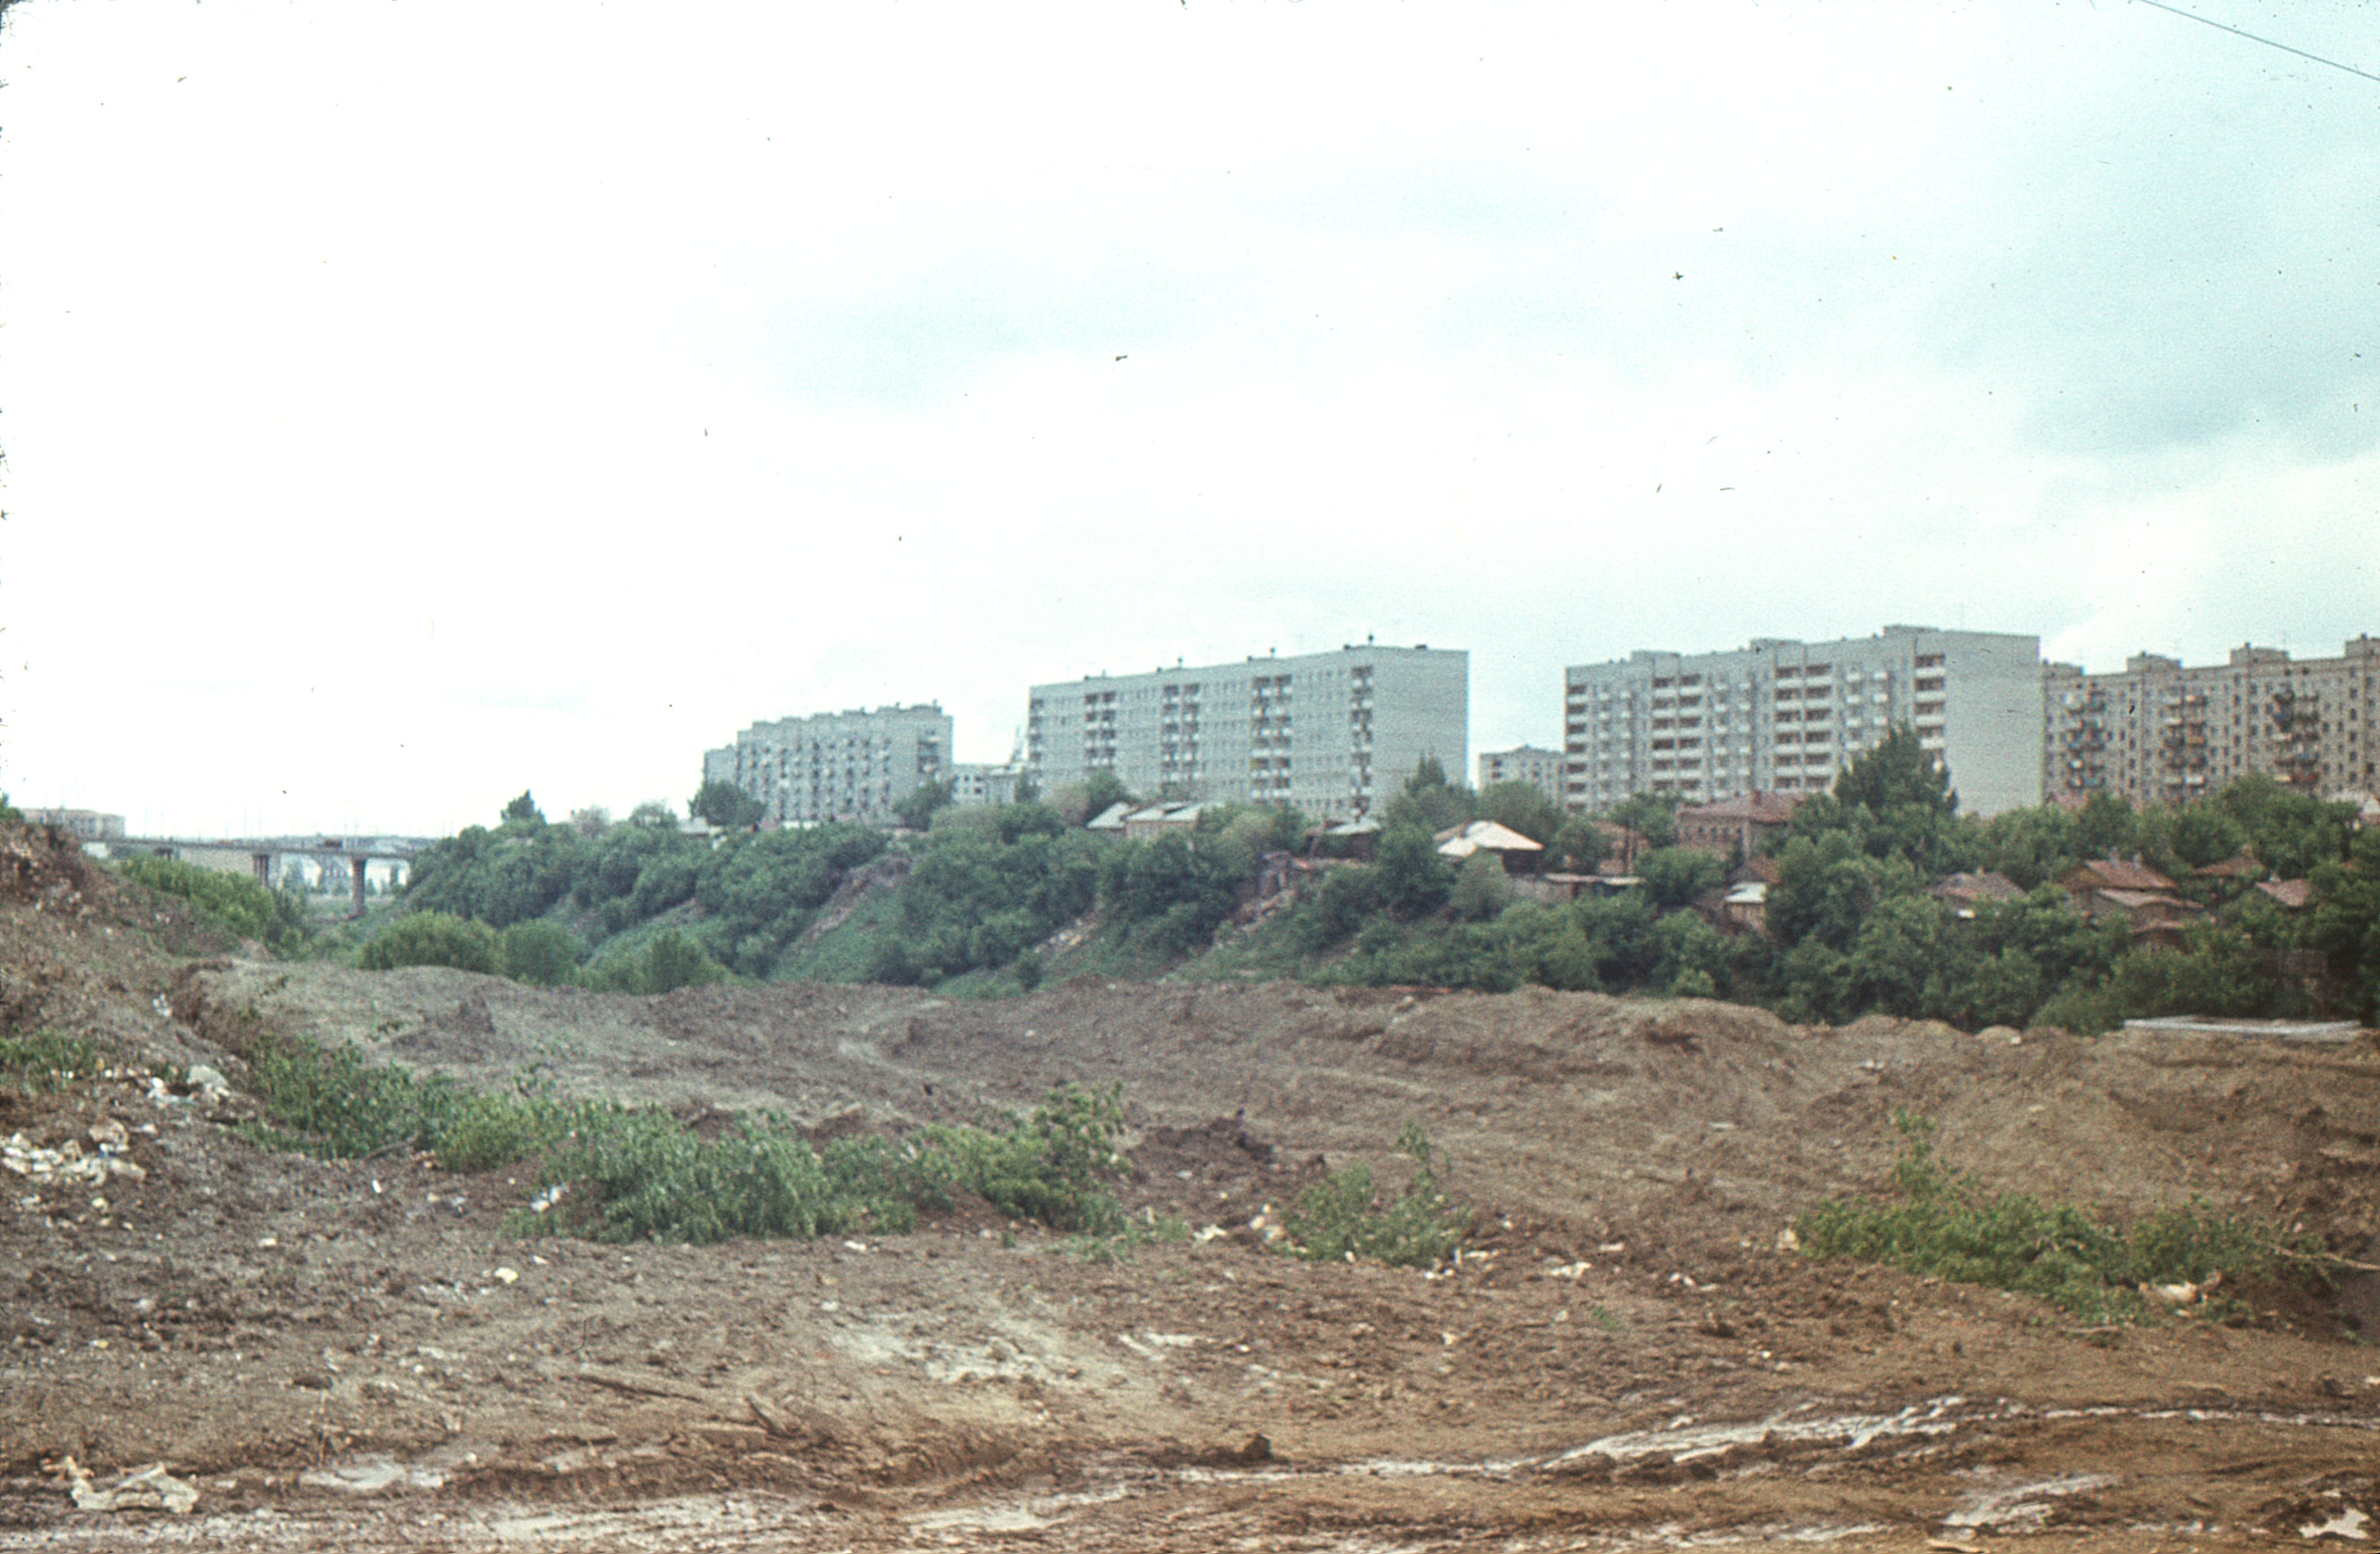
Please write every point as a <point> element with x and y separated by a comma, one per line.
<point>1335,1218</point>
<point>47,1059</point>
<point>1946,1225</point>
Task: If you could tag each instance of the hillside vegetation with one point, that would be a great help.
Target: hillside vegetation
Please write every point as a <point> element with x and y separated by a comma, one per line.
<point>986,902</point>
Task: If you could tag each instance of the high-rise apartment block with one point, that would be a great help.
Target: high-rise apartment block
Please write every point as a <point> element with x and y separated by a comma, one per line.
<point>836,766</point>
<point>2159,731</point>
<point>1542,770</point>
<point>1785,716</point>
<point>1330,733</point>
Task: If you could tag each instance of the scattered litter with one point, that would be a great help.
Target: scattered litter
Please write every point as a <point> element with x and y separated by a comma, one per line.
<point>1267,1224</point>
<point>2349,1523</point>
<point>1211,1233</point>
<point>1613,1247</point>
<point>1570,1270</point>
<point>163,1005</point>
<point>2181,1294</point>
<point>151,1488</point>
<point>1787,1240</point>
<point>854,1247</point>
<point>547,1198</point>
<point>209,1081</point>
<point>507,1275</point>
<point>67,1162</point>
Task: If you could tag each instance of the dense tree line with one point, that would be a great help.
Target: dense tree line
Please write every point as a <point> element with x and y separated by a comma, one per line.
<point>1854,925</point>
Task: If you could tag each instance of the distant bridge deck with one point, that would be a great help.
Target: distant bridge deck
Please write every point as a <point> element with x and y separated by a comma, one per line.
<point>263,851</point>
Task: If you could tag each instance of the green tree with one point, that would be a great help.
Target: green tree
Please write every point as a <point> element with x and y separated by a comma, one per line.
<point>2031,846</point>
<point>1674,876</point>
<point>1653,817</point>
<point>1580,846</point>
<point>2346,923</point>
<point>2294,832</point>
<point>1102,791</point>
<point>725,804</point>
<point>2108,828</point>
<point>1482,890</point>
<point>1412,879</point>
<point>524,809</point>
<point>1522,806</point>
<point>917,811</point>
<point>1430,801</point>
<point>653,815</point>
<point>2202,834</point>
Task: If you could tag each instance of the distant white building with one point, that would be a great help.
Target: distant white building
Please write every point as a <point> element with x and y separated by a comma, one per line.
<point>836,766</point>
<point>88,825</point>
<point>1785,717</point>
<point>1542,770</point>
<point>1332,733</point>
<point>977,786</point>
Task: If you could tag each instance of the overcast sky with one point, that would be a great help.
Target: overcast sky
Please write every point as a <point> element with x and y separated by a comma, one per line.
<point>408,404</point>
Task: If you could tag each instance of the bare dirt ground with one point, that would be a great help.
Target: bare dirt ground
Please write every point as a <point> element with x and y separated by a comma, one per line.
<point>357,1356</point>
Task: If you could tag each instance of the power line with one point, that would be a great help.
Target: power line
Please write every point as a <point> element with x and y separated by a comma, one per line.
<point>2268,42</point>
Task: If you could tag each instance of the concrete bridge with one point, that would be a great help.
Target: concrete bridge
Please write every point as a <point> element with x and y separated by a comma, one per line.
<point>263,854</point>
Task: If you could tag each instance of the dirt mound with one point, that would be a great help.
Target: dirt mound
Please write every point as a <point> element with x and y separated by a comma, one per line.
<point>359,1349</point>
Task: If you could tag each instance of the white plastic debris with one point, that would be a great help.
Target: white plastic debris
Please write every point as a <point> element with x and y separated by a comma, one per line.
<point>507,1276</point>
<point>209,1082</point>
<point>2349,1523</point>
<point>151,1488</point>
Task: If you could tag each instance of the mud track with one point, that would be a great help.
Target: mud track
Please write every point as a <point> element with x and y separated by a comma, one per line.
<point>354,1354</point>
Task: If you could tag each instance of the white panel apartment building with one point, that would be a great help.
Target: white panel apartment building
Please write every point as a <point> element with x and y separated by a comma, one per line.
<point>1332,733</point>
<point>2159,732</point>
<point>836,766</point>
<point>1542,770</point>
<point>1786,716</point>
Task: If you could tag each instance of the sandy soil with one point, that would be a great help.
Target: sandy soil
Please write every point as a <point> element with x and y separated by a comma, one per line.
<point>354,1354</point>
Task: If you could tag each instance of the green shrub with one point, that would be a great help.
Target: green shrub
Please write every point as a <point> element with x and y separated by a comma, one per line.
<point>1947,1226</point>
<point>1335,1219</point>
<point>542,952</point>
<point>47,1059</point>
<point>668,961</point>
<point>434,939</point>
<point>1051,1167</point>
<point>674,961</point>
<point>234,902</point>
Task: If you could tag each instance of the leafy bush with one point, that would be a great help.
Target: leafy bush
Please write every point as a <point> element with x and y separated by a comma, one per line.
<point>1335,1218</point>
<point>1946,1225</point>
<point>542,952</point>
<point>434,939</point>
<point>1051,1167</point>
<point>47,1059</point>
<point>668,961</point>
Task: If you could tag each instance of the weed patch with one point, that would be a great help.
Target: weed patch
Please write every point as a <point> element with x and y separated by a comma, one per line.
<point>47,1061</point>
<point>1946,1225</point>
<point>1336,1218</point>
<point>611,1173</point>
